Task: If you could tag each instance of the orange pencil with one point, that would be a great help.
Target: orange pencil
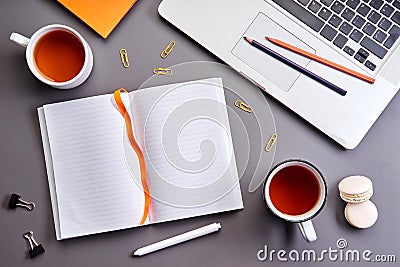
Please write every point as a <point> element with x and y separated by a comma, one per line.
<point>321,60</point>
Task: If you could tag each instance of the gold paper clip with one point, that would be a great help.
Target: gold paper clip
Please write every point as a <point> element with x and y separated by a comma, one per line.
<point>162,71</point>
<point>168,49</point>
<point>124,57</point>
<point>272,140</point>
<point>243,106</point>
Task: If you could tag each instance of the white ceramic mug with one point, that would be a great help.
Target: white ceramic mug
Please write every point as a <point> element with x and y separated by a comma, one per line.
<point>302,220</point>
<point>30,44</point>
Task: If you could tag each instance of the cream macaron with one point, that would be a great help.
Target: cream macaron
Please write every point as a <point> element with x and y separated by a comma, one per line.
<point>361,215</point>
<point>356,189</point>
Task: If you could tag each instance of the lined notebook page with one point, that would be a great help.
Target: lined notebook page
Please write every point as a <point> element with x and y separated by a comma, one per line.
<point>185,135</point>
<point>95,190</point>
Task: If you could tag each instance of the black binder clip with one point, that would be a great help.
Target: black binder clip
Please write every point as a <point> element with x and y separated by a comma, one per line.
<point>34,248</point>
<point>16,201</point>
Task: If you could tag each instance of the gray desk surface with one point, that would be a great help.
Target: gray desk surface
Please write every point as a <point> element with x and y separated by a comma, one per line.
<point>144,34</point>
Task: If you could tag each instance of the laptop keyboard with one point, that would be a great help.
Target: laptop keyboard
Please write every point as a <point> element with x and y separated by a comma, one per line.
<point>365,30</point>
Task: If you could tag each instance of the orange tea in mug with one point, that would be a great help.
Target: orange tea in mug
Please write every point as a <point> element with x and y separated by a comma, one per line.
<point>59,55</point>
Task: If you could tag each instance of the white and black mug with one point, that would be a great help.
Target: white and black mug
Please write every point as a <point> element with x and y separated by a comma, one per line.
<point>57,55</point>
<point>296,191</point>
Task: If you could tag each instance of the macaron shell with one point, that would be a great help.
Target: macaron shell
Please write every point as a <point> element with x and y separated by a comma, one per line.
<point>361,215</point>
<point>355,185</point>
<point>357,198</point>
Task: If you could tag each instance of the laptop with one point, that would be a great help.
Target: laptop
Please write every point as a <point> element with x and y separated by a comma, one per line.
<point>359,34</point>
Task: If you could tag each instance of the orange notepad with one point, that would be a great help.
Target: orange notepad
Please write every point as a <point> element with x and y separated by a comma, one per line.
<point>102,16</point>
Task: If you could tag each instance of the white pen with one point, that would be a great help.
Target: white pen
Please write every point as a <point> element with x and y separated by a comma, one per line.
<point>205,230</point>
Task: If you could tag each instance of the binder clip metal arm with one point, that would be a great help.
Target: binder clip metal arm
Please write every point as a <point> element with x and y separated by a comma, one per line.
<point>34,248</point>
<point>16,201</point>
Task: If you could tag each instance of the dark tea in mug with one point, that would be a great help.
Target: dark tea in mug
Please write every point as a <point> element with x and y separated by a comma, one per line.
<point>294,190</point>
<point>59,55</point>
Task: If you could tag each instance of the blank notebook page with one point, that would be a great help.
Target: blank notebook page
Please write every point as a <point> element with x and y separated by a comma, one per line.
<point>95,190</point>
<point>184,132</point>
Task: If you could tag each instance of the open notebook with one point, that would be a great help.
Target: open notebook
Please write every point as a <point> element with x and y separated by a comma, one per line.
<point>93,173</point>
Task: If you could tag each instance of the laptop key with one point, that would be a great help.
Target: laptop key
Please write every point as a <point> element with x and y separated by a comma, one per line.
<point>335,21</point>
<point>380,36</point>
<point>374,16</point>
<point>369,28</point>
<point>363,9</point>
<point>345,28</point>
<point>348,14</point>
<point>394,34</point>
<point>373,47</point>
<point>384,24</point>
<point>327,2</point>
<point>325,13</point>
<point>314,6</point>
<point>301,13</point>
<point>337,7</point>
<point>358,21</point>
<point>356,35</point>
<point>353,3</point>
<point>340,40</point>
<point>370,65</point>
<point>396,4</point>
<point>396,17</point>
<point>376,4</point>
<point>359,58</point>
<point>328,32</point>
<point>363,53</point>
<point>304,2</point>
<point>349,50</point>
<point>387,10</point>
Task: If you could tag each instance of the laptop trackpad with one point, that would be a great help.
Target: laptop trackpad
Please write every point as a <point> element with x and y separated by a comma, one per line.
<point>277,72</point>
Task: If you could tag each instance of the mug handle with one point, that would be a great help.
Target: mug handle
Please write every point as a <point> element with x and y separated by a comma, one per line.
<point>308,231</point>
<point>19,39</point>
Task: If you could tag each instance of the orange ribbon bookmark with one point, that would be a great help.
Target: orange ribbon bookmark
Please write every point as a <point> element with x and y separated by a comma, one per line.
<point>135,146</point>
